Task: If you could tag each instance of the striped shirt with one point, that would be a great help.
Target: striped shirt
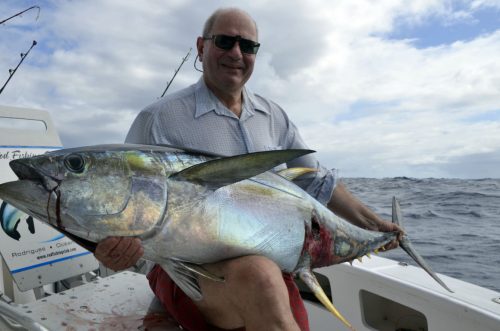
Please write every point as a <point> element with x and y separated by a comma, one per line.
<point>195,118</point>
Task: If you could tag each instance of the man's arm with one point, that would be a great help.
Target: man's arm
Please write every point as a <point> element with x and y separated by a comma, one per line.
<point>345,205</point>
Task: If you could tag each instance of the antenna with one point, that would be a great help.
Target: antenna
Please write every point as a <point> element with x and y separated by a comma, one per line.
<point>184,59</point>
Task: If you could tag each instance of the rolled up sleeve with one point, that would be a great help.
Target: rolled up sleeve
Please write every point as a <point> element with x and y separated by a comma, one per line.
<point>322,185</point>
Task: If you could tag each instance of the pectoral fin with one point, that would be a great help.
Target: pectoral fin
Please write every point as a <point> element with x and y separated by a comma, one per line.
<point>228,170</point>
<point>310,280</point>
<point>406,245</point>
<point>185,275</point>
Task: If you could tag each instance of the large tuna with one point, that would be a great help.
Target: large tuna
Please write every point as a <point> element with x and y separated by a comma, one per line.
<point>191,208</point>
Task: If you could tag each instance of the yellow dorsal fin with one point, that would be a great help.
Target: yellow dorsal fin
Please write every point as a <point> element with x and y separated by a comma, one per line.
<point>292,173</point>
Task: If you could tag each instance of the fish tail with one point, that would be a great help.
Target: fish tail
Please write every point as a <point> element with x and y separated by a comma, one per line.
<point>406,245</point>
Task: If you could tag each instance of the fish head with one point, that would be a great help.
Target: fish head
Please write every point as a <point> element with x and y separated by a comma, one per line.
<point>331,240</point>
<point>91,193</point>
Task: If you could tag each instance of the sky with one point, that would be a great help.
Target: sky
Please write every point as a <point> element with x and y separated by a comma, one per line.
<point>380,88</point>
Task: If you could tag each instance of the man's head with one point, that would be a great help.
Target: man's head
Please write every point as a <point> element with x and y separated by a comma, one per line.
<point>225,71</point>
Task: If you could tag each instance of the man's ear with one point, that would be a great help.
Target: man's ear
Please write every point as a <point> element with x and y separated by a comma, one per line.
<point>199,46</point>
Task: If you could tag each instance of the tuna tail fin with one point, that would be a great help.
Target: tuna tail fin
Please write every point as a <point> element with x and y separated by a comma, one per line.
<point>310,280</point>
<point>228,170</point>
<point>406,245</point>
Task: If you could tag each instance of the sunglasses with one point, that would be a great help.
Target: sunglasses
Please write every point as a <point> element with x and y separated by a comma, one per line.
<point>226,43</point>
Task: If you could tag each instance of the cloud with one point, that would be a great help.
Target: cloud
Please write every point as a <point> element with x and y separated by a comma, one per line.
<point>372,105</point>
<point>474,165</point>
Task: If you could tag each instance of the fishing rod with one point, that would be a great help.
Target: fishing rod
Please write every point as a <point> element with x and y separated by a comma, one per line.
<point>22,12</point>
<point>176,71</point>
<point>13,71</point>
<point>23,55</point>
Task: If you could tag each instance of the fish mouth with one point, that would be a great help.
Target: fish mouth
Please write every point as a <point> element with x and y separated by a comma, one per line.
<point>24,171</point>
<point>36,193</point>
<point>29,196</point>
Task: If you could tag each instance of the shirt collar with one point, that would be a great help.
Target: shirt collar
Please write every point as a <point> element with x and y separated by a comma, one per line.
<point>206,102</point>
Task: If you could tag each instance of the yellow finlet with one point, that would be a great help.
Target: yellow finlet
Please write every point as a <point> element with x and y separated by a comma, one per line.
<point>331,308</point>
<point>308,278</point>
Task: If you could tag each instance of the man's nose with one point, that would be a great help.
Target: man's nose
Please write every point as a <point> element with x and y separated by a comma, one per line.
<point>235,51</point>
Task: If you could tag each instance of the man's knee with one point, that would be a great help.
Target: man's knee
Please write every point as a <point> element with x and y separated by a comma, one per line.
<point>257,273</point>
<point>253,291</point>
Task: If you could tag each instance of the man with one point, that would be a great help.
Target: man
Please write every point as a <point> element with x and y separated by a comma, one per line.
<point>219,114</point>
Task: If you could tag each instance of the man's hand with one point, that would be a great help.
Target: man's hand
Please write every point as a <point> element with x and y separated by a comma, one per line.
<point>119,253</point>
<point>385,226</point>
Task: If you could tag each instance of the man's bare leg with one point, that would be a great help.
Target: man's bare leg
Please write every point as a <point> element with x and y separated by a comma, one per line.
<point>254,295</point>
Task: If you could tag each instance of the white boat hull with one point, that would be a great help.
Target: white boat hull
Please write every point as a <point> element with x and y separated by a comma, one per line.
<point>381,294</point>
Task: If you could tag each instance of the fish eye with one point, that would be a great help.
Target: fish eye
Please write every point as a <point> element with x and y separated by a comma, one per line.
<point>74,163</point>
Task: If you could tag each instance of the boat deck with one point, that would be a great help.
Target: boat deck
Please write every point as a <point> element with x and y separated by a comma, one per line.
<point>119,302</point>
<point>379,294</point>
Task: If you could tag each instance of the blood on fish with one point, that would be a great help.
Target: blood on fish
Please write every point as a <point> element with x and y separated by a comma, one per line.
<point>318,244</point>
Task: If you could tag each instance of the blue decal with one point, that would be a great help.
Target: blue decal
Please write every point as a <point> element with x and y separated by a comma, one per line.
<point>59,236</point>
<point>50,262</point>
<point>9,220</point>
<point>34,147</point>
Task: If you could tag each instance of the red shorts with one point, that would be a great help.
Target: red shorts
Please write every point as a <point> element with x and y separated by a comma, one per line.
<point>185,312</point>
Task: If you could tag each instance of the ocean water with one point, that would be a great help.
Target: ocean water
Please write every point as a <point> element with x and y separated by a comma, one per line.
<point>453,223</point>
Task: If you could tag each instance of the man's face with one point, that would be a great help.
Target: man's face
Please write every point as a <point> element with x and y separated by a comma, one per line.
<point>226,71</point>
